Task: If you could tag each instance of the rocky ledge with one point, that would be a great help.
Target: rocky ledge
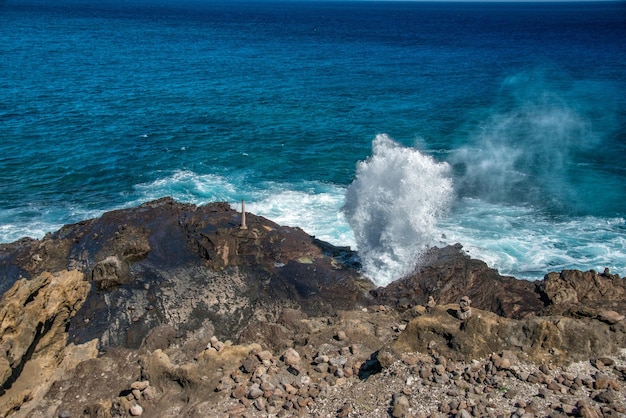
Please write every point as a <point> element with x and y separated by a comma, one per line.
<point>171,309</point>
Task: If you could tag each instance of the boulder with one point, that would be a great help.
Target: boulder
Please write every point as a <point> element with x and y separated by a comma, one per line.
<point>33,334</point>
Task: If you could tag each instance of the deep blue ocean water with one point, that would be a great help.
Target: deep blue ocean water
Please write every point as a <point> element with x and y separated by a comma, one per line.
<point>386,126</point>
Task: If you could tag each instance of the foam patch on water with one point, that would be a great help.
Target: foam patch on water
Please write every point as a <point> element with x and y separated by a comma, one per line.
<point>524,243</point>
<point>36,220</point>
<point>317,213</point>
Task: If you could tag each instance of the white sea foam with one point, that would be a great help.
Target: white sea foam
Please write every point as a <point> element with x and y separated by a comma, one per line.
<point>317,213</point>
<point>312,206</point>
<point>393,206</point>
<point>523,242</point>
<point>34,221</point>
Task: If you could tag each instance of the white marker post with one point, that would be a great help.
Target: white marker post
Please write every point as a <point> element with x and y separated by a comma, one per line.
<point>243,215</point>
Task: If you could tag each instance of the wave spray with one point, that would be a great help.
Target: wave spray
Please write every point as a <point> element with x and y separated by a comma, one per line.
<point>393,205</point>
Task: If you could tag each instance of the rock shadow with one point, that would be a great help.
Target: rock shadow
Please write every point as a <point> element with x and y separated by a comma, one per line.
<point>370,367</point>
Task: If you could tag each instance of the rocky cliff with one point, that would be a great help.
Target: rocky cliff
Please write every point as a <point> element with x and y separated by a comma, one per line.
<point>183,297</point>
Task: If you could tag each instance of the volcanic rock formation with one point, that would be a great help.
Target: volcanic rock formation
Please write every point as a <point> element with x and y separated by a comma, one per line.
<point>171,309</point>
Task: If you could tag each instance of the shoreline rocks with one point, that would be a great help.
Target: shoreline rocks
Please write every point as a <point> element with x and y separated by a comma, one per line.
<point>268,321</point>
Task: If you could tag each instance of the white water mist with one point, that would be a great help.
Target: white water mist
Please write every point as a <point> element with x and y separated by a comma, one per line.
<point>534,149</point>
<point>393,206</point>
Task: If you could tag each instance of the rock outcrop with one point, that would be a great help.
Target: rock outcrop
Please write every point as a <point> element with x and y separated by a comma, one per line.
<point>447,274</point>
<point>555,340</point>
<point>171,309</point>
<point>189,267</point>
<point>35,315</point>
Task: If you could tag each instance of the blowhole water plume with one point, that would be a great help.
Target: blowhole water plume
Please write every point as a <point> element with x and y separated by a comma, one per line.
<point>541,146</point>
<point>393,206</point>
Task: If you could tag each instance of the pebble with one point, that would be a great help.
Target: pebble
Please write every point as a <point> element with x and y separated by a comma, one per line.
<point>476,389</point>
<point>291,357</point>
<point>463,413</point>
<point>265,355</point>
<point>260,404</point>
<point>254,392</point>
<point>321,359</point>
<point>140,385</point>
<point>400,406</point>
<point>136,410</point>
<point>344,411</point>
<point>149,393</point>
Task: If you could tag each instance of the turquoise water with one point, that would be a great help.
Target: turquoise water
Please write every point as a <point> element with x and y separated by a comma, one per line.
<point>389,127</point>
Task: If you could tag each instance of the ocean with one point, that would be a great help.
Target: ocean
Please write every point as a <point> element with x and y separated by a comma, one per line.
<point>389,127</point>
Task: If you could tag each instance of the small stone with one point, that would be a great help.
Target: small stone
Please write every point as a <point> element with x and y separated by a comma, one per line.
<point>554,387</point>
<point>587,411</point>
<point>464,414</point>
<point>268,388</point>
<point>568,409</point>
<point>254,392</point>
<point>321,368</point>
<point>140,385</point>
<point>260,404</point>
<point>400,406</point>
<point>505,364</point>
<point>431,302</point>
<point>602,381</point>
<point>303,402</point>
<point>290,389</point>
<point>610,317</point>
<point>136,410</point>
<point>608,396</point>
<point>510,394</point>
<point>149,393</point>
<point>239,392</point>
<point>136,393</point>
<point>344,411</point>
<point>265,355</point>
<point>259,371</point>
<point>341,336</point>
<point>236,410</point>
<point>249,364</point>
<point>321,359</point>
<point>65,414</point>
<point>425,372</point>
<point>294,370</point>
<point>291,357</point>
